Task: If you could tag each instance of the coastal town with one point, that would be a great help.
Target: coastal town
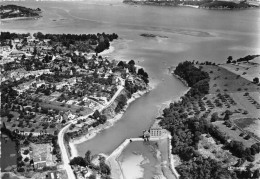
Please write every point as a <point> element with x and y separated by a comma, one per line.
<point>47,86</point>
<point>54,96</point>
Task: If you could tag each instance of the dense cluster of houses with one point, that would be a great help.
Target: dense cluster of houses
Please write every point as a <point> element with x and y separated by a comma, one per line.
<point>51,85</point>
<point>50,74</point>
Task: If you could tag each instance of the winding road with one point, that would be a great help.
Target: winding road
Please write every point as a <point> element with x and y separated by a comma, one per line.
<point>64,154</point>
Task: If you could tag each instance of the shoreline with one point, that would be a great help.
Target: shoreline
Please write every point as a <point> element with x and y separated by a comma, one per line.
<point>181,79</point>
<point>173,4</point>
<point>187,5</point>
<point>20,18</point>
<point>110,122</point>
<point>111,49</point>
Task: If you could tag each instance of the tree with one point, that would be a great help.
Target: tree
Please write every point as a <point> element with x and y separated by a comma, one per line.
<point>256,80</point>
<point>26,142</point>
<point>104,168</point>
<point>88,157</point>
<point>131,62</point>
<point>143,75</point>
<point>121,64</point>
<point>122,100</point>
<point>214,117</point>
<point>19,158</point>
<point>140,71</point>
<point>132,69</point>
<point>229,59</point>
<point>26,159</point>
<point>34,51</point>
<point>78,161</point>
<point>26,152</point>
<point>102,119</point>
<point>256,174</point>
<point>96,114</point>
<point>228,112</point>
<point>4,126</point>
<point>226,117</point>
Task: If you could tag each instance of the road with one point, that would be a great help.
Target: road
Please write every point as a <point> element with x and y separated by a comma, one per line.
<point>64,155</point>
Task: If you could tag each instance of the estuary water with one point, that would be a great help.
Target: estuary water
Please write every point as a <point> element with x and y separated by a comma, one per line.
<point>181,34</point>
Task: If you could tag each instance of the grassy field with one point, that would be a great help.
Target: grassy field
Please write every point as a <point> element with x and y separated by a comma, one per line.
<point>234,134</point>
<point>247,70</point>
<point>222,80</point>
<point>249,124</point>
<point>36,126</point>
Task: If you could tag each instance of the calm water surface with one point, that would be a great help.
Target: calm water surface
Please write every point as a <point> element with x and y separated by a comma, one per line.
<point>192,34</point>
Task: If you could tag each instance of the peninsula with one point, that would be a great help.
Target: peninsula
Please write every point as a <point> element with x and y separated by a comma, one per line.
<point>207,4</point>
<point>18,12</point>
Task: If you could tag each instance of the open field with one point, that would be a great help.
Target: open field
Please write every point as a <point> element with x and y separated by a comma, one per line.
<point>247,103</point>
<point>249,124</point>
<point>222,80</point>
<point>234,134</point>
<point>248,70</point>
<point>36,126</point>
<point>72,108</point>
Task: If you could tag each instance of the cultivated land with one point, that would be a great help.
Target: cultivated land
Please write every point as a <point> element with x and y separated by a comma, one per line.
<point>232,92</point>
<point>229,91</point>
<point>211,126</point>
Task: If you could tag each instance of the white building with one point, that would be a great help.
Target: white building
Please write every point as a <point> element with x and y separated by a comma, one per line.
<point>156,130</point>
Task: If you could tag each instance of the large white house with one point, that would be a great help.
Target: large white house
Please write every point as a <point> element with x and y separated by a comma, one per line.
<point>156,130</point>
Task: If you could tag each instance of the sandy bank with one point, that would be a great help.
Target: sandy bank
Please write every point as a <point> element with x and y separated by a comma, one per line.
<point>20,18</point>
<point>186,5</point>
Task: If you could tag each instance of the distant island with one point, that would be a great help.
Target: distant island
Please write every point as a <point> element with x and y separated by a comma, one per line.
<point>152,35</point>
<point>207,4</point>
<point>17,12</point>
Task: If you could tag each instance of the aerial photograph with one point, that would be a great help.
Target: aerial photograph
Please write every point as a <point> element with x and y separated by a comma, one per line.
<point>130,89</point>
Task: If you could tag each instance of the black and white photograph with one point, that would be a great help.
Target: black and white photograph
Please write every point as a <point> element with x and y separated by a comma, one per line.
<point>130,89</point>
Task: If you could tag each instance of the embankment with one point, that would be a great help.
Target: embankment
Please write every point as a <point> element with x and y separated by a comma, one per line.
<point>112,118</point>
